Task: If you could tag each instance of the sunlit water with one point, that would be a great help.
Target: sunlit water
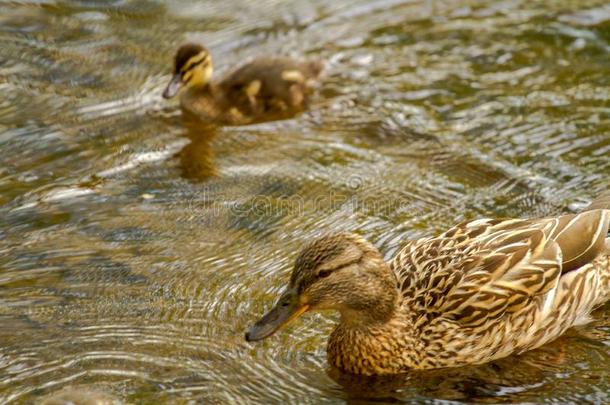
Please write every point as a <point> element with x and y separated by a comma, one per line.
<point>134,252</point>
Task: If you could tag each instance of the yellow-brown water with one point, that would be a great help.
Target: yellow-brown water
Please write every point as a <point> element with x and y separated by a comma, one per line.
<point>135,253</point>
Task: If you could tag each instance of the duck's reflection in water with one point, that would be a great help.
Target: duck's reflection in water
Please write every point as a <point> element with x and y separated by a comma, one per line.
<point>499,381</point>
<point>197,160</point>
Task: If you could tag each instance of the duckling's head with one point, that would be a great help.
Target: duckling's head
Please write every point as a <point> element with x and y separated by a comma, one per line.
<point>192,67</point>
<point>343,272</point>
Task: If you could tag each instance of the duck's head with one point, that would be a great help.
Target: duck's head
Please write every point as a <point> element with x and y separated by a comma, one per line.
<point>343,272</point>
<point>192,67</point>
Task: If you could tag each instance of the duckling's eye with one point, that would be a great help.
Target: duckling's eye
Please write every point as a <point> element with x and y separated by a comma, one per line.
<point>324,273</point>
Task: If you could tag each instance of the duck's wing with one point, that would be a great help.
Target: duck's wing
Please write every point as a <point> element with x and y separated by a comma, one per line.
<point>485,269</point>
<point>270,84</point>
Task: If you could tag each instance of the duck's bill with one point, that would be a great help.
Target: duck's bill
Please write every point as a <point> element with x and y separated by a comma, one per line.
<point>286,310</point>
<point>173,87</point>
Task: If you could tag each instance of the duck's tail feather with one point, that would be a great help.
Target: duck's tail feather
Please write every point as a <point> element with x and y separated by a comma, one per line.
<point>601,202</point>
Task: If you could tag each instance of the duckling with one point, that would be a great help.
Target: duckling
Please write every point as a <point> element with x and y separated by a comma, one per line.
<point>482,290</point>
<point>261,90</point>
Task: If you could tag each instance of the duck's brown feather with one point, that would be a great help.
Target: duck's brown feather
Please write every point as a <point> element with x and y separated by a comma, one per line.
<point>262,89</point>
<point>270,85</point>
<point>518,282</point>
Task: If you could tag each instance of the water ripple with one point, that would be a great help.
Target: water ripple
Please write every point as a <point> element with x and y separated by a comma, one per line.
<point>136,248</point>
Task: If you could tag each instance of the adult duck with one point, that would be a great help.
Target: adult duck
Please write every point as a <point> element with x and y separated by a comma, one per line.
<point>482,290</point>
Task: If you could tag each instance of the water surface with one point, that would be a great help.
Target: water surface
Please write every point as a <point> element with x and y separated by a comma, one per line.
<point>135,251</point>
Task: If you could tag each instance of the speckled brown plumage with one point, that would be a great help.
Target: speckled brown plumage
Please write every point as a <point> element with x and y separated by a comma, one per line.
<point>480,291</point>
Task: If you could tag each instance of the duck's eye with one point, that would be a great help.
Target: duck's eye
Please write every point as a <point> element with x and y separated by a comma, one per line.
<point>324,273</point>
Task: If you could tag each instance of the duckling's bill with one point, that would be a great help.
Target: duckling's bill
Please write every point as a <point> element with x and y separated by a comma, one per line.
<point>287,309</point>
<point>173,86</point>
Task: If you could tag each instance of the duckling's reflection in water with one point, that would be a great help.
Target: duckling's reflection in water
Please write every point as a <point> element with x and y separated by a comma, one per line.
<point>492,382</point>
<point>197,160</point>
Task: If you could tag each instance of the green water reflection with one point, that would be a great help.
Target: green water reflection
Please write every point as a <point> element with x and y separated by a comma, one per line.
<point>136,250</point>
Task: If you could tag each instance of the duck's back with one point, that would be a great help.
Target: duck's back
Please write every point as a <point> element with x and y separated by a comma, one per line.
<point>270,85</point>
<point>489,288</point>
